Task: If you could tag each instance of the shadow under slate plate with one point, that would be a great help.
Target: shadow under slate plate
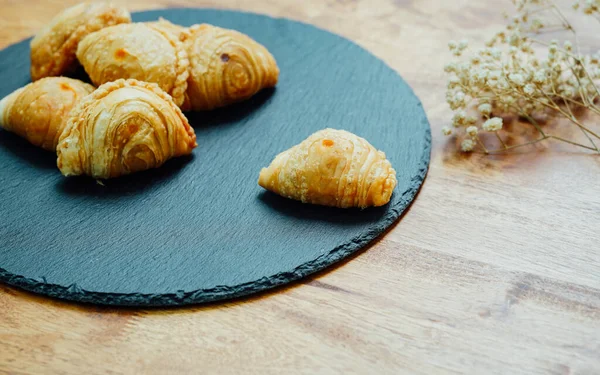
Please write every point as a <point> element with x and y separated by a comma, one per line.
<point>200,228</point>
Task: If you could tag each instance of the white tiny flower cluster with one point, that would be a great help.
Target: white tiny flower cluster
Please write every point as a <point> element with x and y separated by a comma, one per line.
<point>485,109</point>
<point>508,77</point>
<point>472,131</point>
<point>589,6</point>
<point>493,124</point>
<point>457,48</point>
<point>467,145</point>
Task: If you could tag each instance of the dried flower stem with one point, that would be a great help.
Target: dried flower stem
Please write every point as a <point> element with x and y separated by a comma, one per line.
<point>517,146</point>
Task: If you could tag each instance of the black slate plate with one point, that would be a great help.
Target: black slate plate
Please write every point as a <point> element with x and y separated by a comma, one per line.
<point>200,228</point>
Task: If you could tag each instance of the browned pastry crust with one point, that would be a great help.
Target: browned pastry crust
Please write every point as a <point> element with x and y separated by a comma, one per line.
<point>38,112</point>
<point>123,127</point>
<point>53,48</point>
<point>332,168</point>
<point>226,66</point>
<point>138,51</point>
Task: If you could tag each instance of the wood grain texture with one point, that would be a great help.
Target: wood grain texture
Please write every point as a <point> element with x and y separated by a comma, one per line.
<point>495,268</point>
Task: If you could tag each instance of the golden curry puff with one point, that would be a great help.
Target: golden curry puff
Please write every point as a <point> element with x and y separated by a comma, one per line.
<point>53,48</point>
<point>136,51</point>
<point>226,66</point>
<point>332,168</point>
<point>123,127</point>
<point>38,111</point>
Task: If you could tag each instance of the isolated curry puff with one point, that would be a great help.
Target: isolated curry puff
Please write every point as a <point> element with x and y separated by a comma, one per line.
<point>38,111</point>
<point>53,48</point>
<point>332,168</point>
<point>123,127</point>
<point>226,66</point>
<point>145,52</point>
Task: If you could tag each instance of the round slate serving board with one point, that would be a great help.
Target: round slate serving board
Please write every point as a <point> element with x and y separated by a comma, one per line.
<point>199,228</point>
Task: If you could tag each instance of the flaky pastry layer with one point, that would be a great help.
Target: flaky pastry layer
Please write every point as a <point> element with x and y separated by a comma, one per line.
<point>226,66</point>
<point>332,168</point>
<point>53,48</point>
<point>123,127</point>
<point>138,51</point>
<point>38,111</point>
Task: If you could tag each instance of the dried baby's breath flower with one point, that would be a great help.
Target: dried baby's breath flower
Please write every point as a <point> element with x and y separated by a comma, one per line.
<point>446,130</point>
<point>537,24</point>
<point>458,100</point>
<point>470,120</point>
<point>467,145</point>
<point>492,125</point>
<point>459,118</point>
<point>472,131</point>
<point>517,79</point>
<point>591,7</point>
<point>485,109</point>
<point>529,89</point>
<point>449,68</point>
<point>540,76</point>
<point>512,75</point>
<point>453,83</point>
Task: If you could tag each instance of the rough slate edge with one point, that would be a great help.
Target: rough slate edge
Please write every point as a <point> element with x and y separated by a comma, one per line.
<point>75,293</point>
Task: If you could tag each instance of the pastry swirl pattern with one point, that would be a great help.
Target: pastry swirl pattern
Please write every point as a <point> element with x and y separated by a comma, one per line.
<point>332,168</point>
<point>123,127</point>
<point>226,66</point>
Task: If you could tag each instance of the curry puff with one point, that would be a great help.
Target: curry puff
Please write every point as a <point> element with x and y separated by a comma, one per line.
<point>144,52</point>
<point>38,112</point>
<point>123,127</point>
<point>332,168</point>
<point>53,48</point>
<point>226,66</point>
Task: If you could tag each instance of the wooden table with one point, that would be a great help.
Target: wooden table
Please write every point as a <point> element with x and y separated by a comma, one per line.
<point>494,269</point>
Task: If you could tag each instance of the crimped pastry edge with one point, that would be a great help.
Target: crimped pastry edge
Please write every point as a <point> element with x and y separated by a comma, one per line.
<point>182,66</point>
